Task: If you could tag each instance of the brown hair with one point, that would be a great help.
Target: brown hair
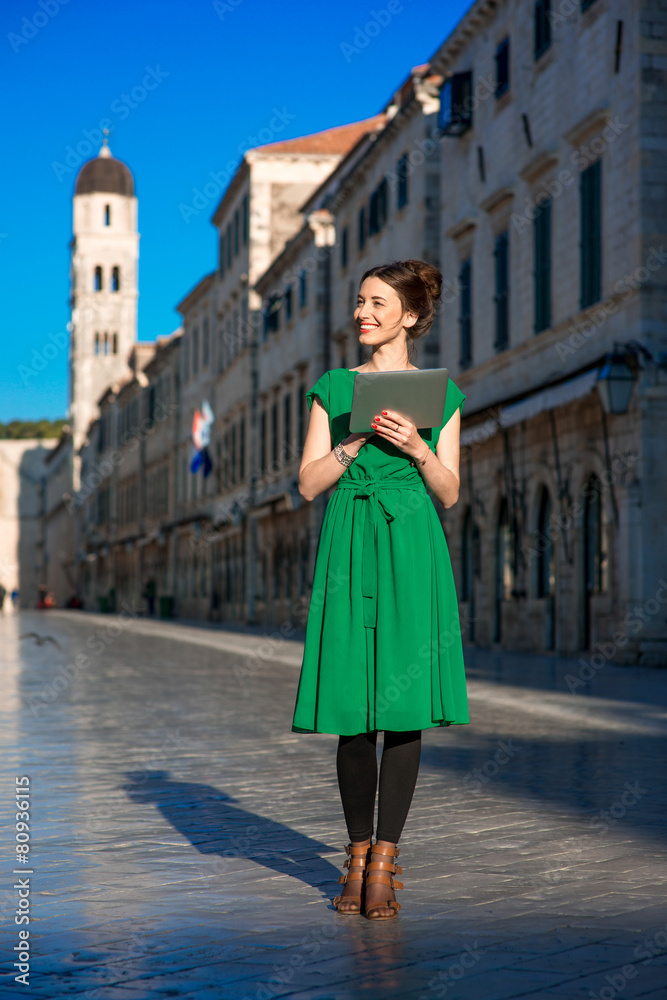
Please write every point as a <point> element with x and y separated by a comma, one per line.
<point>418,286</point>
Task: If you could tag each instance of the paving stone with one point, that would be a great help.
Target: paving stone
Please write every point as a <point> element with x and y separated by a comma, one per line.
<point>186,843</point>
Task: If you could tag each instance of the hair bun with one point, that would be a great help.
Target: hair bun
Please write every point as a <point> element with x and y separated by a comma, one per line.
<point>429,274</point>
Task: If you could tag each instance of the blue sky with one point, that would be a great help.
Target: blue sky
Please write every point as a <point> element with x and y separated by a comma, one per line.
<point>221,69</point>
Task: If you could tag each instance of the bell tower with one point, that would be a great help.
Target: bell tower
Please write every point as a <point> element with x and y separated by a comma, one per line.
<point>103,284</point>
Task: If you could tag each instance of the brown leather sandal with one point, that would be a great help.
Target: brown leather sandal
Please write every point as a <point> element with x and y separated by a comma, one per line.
<point>383,871</point>
<point>356,863</point>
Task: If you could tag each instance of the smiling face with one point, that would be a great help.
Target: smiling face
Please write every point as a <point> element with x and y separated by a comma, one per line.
<point>379,314</point>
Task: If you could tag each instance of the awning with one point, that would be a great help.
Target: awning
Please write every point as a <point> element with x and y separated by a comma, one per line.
<point>525,409</point>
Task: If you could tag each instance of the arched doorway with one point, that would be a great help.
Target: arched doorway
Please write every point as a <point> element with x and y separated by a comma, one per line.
<point>595,555</point>
<point>505,566</point>
<point>468,570</point>
<point>546,567</point>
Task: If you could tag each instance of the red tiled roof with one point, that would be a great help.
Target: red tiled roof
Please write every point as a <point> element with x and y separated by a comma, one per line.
<point>340,139</point>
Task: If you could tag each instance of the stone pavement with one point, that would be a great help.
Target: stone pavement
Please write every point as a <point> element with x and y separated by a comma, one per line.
<point>185,843</point>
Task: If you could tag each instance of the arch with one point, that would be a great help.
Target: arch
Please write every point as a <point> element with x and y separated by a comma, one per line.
<point>467,563</point>
<point>97,279</point>
<point>115,278</point>
<point>506,563</point>
<point>546,562</point>
<point>595,561</point>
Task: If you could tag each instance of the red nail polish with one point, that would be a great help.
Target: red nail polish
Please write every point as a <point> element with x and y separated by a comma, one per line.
<point>384,412</point>
<point>373,425</point>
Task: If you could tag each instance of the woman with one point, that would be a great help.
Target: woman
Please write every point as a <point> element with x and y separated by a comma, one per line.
<point>383,643</point>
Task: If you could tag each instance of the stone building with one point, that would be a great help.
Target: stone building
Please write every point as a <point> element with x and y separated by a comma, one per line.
<point>552,219</point>
<point>104,288</point>
<point>221,567</point>
<point>23,524</point>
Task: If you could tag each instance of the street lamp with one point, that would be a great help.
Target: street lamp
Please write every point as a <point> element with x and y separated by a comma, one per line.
<point>615,381</point>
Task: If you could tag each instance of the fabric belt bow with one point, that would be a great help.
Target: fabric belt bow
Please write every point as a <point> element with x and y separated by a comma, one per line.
<point>366,489</point>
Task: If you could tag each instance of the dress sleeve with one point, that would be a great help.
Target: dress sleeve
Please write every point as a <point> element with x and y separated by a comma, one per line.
<point>320,389</point>
<point>454,400</point>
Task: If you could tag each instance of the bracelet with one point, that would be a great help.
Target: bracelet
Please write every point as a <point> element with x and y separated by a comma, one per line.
<point>343,456</point>
<point>419,462</point>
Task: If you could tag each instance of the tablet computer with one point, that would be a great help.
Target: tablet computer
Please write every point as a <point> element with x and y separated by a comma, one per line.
<point>418,395</point>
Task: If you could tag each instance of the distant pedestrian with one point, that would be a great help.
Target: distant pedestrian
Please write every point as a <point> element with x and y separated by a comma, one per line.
<point>383,648</point>
<point>149,594</point>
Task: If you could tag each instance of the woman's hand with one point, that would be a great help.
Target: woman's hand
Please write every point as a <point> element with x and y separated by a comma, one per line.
<point>399,431</point>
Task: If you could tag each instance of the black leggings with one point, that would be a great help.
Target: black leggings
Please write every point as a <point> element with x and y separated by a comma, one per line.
<point>357,768</point>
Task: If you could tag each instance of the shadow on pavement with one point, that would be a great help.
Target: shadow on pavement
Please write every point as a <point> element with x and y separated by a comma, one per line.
<point>215,826</point>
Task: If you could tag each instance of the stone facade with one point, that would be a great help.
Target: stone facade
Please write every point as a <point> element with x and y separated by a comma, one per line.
<point>23,517</point>
<point>553,535</point>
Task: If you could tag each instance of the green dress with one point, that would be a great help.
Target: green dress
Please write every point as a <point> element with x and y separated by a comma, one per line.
<point>383,639</point>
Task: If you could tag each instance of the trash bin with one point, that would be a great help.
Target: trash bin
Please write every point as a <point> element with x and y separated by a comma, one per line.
<point>166,602</point>
<point>103,603</point>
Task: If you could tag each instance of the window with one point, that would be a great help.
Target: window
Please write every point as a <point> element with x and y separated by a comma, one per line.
<point>236,232</point>
<point>542,271</point>
<point>221,348</point>
<point>115,279</point>
<point>98,279</point>
<point>465,314</point>
<point>262,443</point>
<point>272,314</point>
<point>303,289</point>
<point>361,229</point>
<point>115,343</point>
<point>402,174</point>
<point>205,343</point>
<point>236,333</point>
<point>274,437</point>
<point>106,343</point>
<point>503,67</point>
<point>455,115</point>
<point>377,215</point>
<point>467,562</point>
<point>97,343</point>
<point>151,405</point>
<point>590,245</point>
<point>288,303</point>
<point>501,253</point>
<point>225,463</point>
<point>244,321</point>
<point>107,215</point>
<point>343,248</point>
<point>229,244</point>
<point>301,416</point>
<point>186,358</point>
<point>542,21</point>
<point>287,427</point>
<point>195,350</point>
<point>245,219</point>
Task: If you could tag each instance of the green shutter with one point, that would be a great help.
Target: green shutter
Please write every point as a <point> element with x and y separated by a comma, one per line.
<point>590,245</point>
<point>542,272</point>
